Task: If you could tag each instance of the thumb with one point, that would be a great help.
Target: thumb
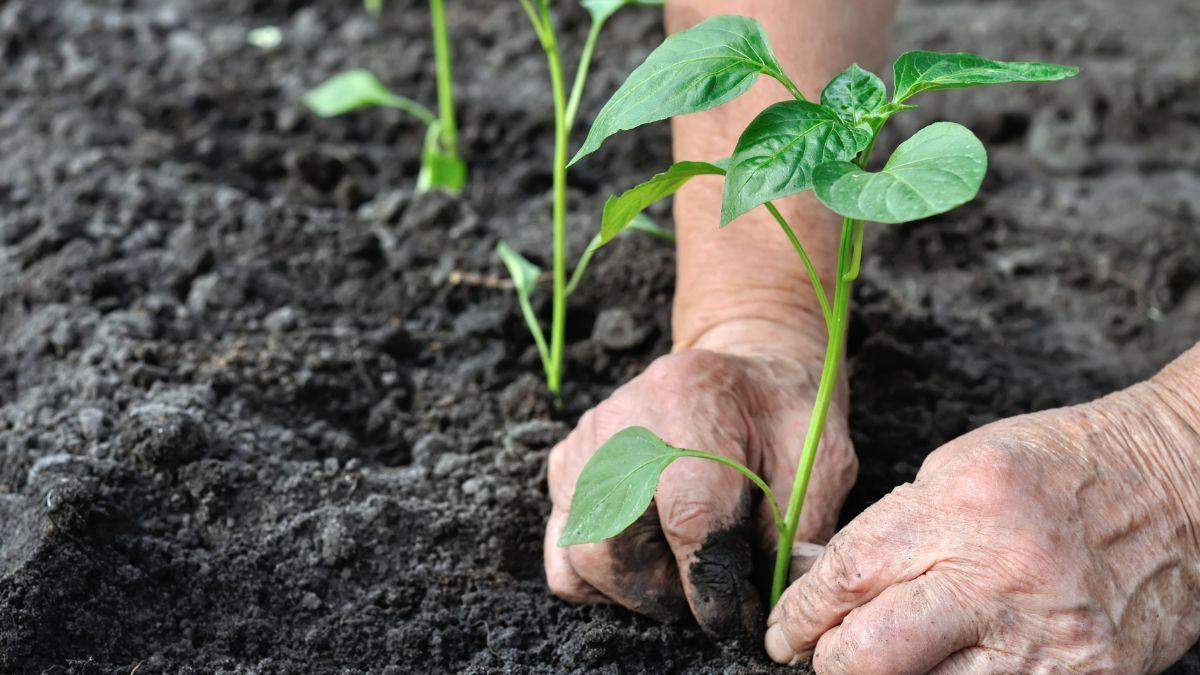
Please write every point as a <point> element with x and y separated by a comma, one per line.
<point>704,509</point>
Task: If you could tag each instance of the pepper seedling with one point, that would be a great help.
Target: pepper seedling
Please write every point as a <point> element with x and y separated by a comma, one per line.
<point>788,148</point>
<point>441,166</point>
<point>524,273</point>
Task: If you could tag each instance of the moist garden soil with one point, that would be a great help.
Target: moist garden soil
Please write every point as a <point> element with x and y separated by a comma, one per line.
<point>263,410</point>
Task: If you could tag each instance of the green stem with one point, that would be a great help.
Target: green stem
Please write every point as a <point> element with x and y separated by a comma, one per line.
<point>849,262</point>
<point>787,83</point>
<point>445,77</point>
<point>562,135</point>
<point>815,278</point>
<point>816,424</point>
<point>535,20</point>
<point>581,72</point>
<point>580,266</point>
<point>856,253</point>
<point>745,471</point>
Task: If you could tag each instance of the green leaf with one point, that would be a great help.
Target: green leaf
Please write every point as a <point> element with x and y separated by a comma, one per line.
<point>524,273</point>
<point>373,6</point>
<point>601,10</point>
<point>855,92</point>
<point>620,211</point>
<point>616,485</point>
<point>938,169</point>
<point>356,89</point>
<point>525,276</point>
<point>777,153</point>
<point>693,70</point>
<point>920,71</point>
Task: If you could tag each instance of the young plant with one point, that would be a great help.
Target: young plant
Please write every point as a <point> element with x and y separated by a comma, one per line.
<point>523,272</point>
<point>441,167</point>
<point>790,147</point>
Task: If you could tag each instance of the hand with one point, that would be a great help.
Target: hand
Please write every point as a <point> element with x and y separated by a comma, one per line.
<point>746,397</point>
<point>1063,541</point>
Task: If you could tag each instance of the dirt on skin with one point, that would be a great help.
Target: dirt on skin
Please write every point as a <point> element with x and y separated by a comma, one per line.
<point>263,411</point>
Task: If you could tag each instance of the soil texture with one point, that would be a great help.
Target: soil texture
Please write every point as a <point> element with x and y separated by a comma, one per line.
<point>263,410</point>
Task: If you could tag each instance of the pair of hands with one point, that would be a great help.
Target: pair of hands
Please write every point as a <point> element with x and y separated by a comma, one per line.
<point>1063,540</point>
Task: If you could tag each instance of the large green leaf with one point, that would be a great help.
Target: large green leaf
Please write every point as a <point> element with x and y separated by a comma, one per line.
<point>855,92</point>
<point>355,89</point>
<point>938,169</point>
<point>693,70</point>
<point>601,10</point>
<point>616,485</point>
<point>920,71</point>
<point>620,211</point>
<point>777,153</point>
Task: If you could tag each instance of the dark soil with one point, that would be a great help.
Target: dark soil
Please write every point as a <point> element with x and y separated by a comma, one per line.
<point>257,416</point>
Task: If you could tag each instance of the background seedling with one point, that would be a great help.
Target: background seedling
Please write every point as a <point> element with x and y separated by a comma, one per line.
<point>790,147</point>
<point>441,167</point>
<point>565,109</point>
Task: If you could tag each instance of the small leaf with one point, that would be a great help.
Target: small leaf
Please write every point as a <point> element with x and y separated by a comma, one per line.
<point>373,7</point>
<point>693,70</point>
<point>616,485</point>
<point>356,89</point>
<point>620,211</point>
<point>601,10</point>
<point>855,92</point>
<point>524,273</point>
<point>777,153</point>
<point>938,169</point>
<point>525,276</point>
<point>920,71</point>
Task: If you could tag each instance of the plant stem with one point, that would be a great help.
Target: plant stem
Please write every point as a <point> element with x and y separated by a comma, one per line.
<point>787,83</point>
<point>849,262</point>
<point>445,77</point>
<point>816,424</point>
<point>745,471</point>
<point>562,136</point>
<point>856,252</point>
<point>815,278</point>
<point>581,72</point>
<point>577,274</point>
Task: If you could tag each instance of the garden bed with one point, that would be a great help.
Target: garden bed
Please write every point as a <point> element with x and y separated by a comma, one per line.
<point>263,410</point>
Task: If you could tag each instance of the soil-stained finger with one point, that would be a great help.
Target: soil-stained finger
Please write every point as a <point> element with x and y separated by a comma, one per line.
<point>705,509</point>
<point>635,569</point>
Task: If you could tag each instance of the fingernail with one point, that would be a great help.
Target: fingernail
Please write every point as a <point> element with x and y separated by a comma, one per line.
<point>777,645</point>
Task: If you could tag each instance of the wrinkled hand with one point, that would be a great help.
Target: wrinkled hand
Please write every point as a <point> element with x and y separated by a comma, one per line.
<point>694,548</point>
<point>1054,542</point>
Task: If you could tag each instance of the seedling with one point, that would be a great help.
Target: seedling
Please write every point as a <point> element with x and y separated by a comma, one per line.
<point>790,147</point>
<point>441,167</point>
<point>523,272</point>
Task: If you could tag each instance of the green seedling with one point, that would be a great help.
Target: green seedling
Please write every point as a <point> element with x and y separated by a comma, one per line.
<point>525,273</point>
<point>790,147</point>
<point>441,166</point>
